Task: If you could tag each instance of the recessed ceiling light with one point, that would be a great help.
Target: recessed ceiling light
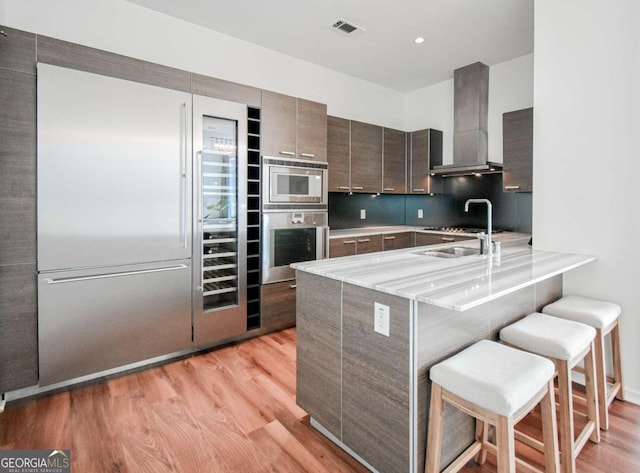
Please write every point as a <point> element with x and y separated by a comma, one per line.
<point>419,40</point>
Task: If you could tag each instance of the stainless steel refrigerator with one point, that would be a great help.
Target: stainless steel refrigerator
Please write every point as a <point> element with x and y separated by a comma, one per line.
<point>114,222</point>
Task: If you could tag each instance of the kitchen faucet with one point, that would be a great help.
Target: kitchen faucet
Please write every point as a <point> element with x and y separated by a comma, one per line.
<point>486,247</point>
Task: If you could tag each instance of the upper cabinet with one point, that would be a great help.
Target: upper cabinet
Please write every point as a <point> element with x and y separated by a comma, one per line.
<point>425,150</point>
<point>394,162</point>
<point>517,149</point>
<point>312,130</point>
<point>338,154</point>
<point>366,157</point>
<point>293,127</point>
<point>370,159</point>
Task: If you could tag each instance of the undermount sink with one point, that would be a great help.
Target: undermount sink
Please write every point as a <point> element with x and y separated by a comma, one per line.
<point>453,252</point>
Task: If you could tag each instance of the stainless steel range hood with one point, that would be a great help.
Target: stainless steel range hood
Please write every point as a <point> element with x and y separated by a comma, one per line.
<point>470,115</point>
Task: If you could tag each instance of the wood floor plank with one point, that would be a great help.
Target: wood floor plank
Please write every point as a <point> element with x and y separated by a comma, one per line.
<point>229,410</point>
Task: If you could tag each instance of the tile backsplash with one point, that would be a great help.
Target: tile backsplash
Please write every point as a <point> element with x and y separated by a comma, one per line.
<point>511,211</point>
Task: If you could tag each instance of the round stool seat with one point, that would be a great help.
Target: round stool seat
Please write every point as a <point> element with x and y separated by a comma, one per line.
<point>549,336</point>
<point>598,314</point>
<point>493,376</point>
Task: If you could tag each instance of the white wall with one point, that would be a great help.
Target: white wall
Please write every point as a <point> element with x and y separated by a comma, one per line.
<point>586,162</point>
<point>132,30</point>
<point>510,88</point>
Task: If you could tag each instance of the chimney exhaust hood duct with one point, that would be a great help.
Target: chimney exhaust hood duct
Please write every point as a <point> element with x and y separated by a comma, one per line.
<point>470,116</point>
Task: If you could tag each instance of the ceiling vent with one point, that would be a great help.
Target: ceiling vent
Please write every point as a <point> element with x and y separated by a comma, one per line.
<point>347,27</point>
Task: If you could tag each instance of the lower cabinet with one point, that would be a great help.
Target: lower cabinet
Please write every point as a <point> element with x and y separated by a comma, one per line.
<point>423,239</point>
<point>354,245</point>
<point>278,302</point>
<point>395,241</point>
<point>342,247</point>
<point>368,244</point>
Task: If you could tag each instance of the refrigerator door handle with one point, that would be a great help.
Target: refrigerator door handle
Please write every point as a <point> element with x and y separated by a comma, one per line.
<point>183,176</point>
<point>200,208</point>
<point>111,275</point>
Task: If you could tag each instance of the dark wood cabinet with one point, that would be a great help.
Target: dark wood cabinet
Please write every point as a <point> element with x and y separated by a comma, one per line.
<point>517,151</point>
<point>293,127</point>
<point>311,130</point>
<point>278,305</point>
<point>394,162</point>
<point>395,241</point>
<point>338,154</point>
<point>278,124</point>
<point>366,157</point>
<point>425,150</point>
<point>342,247</point>
<point>423,239</point>
<point>350,246</point>
<point>368,244</point>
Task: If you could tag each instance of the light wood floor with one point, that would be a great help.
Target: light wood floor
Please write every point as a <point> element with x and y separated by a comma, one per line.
<point>230,410</point>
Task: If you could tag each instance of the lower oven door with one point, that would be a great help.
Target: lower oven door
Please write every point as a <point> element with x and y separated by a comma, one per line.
<point>291,237</point>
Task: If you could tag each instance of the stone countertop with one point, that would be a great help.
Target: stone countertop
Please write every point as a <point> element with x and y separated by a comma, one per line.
<point>452,283</point>
<point>358,232</point>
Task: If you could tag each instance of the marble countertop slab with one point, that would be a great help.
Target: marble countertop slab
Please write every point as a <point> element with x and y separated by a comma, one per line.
<point>452,283</point>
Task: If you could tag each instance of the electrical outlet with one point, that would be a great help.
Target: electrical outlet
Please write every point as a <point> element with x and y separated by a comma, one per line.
<point>381,318</point>
<point>363,214</point>
<point>420,213</point>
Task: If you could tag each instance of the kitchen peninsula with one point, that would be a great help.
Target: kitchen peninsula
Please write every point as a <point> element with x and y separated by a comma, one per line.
<point>370,326</point>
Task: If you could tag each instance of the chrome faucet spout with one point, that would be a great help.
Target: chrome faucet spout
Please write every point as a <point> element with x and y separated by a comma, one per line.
<point>489,246</point>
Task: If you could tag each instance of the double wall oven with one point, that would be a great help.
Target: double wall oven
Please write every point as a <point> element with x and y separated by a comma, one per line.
<point>295,221</point>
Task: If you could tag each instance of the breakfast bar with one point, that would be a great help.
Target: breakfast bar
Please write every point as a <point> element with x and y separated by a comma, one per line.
<point>370,326</point>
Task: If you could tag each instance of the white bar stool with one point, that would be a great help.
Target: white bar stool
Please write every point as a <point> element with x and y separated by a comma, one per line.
<point>566,343</point>
<point>497,385</point>
<point>603,316</point>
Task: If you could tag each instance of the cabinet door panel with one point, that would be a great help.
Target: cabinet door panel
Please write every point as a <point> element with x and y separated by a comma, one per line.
<point>369,244</point>
<point>312,130</point>
<point>395,241</point>
<point>394,162</point>
<point>419,162</point>
<point>366,157</point>
<point>278,304</point>
<point>338,142</point>
<point>423,239</point>
<point>517,150</point>
<point>278,124</point>
<point>342,247</point>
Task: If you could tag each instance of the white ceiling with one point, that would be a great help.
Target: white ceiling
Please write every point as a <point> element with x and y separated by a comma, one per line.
<point>456,32</point>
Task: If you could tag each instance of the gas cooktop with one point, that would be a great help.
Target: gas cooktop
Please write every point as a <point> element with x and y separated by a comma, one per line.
<point>461,229</point>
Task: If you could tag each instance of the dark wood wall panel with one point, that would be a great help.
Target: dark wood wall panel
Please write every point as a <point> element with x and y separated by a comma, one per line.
<point>376,380</point>
<point>18,327</point>
<point>65,54</point>
<point>17,167</point>
<point>225,90</point>
<point>319,356</point>
<point>18,51</point>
